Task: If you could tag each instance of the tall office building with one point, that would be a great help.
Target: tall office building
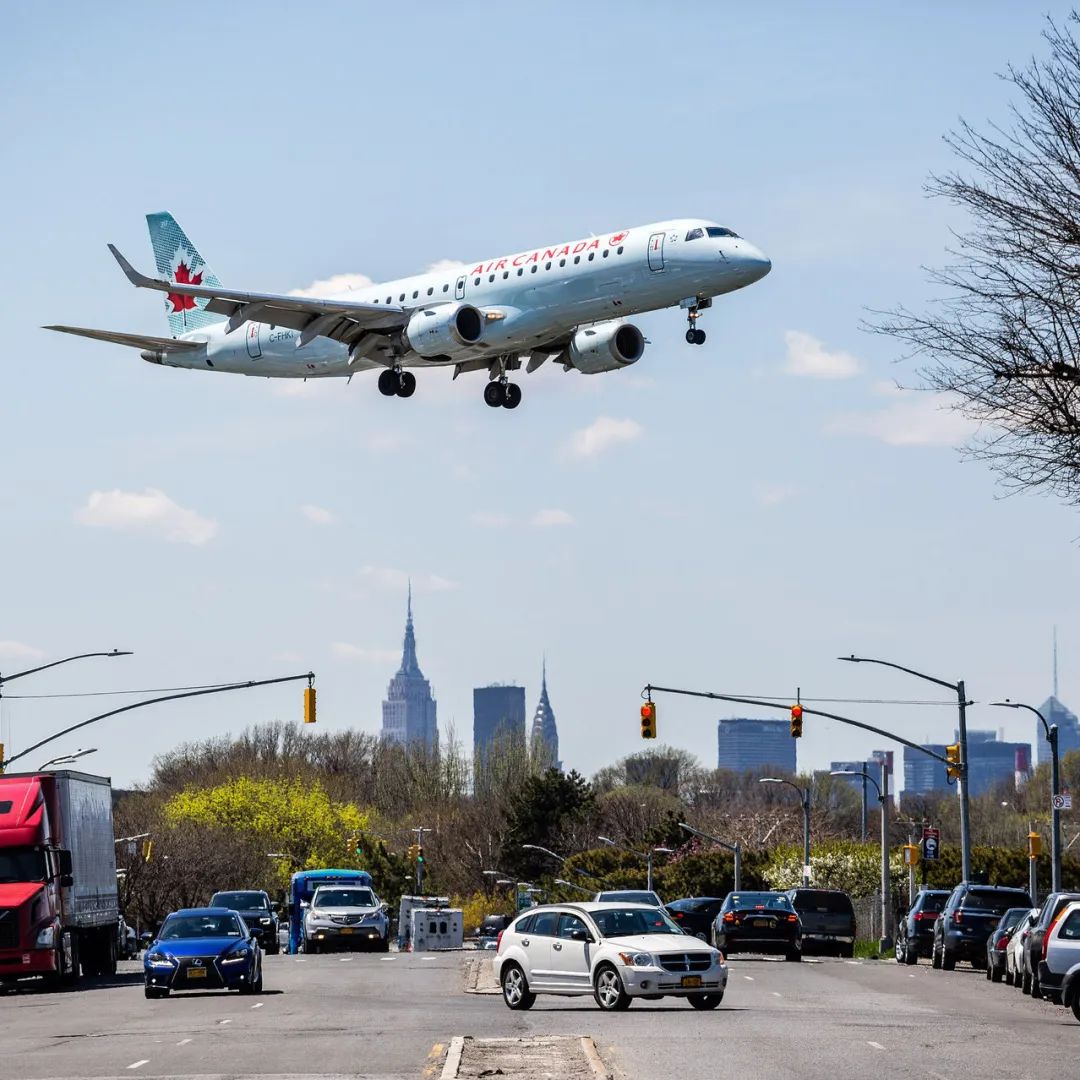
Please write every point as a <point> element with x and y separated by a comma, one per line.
<point>408,713</point>
<point>990,761</point>
<point>544,738</point>
<point>498,713</point>
<point>748,745</point>
<point>923,775</point>
<point>1068,728</point>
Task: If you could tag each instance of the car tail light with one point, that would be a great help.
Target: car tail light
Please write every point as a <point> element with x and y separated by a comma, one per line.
<point>498,940</point>
<point>793,918</point>
<point>927,915</point>
<point>1003,942</point>
<point>958,917</point>
<point>729,916</point>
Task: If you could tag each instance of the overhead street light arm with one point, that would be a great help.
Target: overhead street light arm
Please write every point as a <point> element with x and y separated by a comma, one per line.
<point>864,774</point>
<point>1007,704</point>
<point>57,663</point>
<point>153,701</point>
<point>853,659</point>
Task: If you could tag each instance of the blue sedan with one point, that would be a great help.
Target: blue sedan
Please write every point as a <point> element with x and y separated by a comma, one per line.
<point>203,949</point>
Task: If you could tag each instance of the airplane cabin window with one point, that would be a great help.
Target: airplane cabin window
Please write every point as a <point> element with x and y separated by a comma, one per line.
<point>562,262</point>
<point>533,270</point>
<point>388,299</point>
<point>521,270</point>
<point>402,297</point>
<point>620,250</point>
<point>577,259</point>
<point>431,289</point>
<point>695,234</point>
<point>416,293</point>
<point>477,281</point>
<point>606,253</point>
<point>506,274</point>
<point>547,266</point>
<point>446,288</point>
<point>592,255</point>
<point>715,231</point>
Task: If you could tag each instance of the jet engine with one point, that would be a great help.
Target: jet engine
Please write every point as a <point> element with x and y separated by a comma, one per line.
<point>443,329</point>
<point>605,347</point>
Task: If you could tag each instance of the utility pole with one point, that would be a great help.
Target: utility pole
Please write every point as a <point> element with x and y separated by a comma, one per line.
<point>886,881</point>
<point>804,799</point>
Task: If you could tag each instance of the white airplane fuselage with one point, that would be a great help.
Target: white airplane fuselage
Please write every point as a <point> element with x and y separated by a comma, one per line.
<point>527,300</point>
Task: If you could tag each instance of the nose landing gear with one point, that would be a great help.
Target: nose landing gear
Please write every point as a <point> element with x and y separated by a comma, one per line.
<point>394,382</point>
<point>694,336</point>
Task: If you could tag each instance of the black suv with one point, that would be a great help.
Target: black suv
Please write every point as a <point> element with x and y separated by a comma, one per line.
<point>758,922</point>
<point>969,917</point>
<point>257,910</point>
<point>828,920</point>
<point>1052,907</point>
<point>915,931</point>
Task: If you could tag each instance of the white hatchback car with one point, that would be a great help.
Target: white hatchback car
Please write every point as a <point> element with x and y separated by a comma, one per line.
<point>616,952</point>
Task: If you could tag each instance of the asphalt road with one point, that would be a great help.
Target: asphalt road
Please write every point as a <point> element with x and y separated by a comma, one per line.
<point>392,1017</point>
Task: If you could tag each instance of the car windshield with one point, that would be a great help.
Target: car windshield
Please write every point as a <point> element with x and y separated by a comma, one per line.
<point>933,901</point>
<point>771,900</point>
<point>1012,917</point>
<point>993,900</point>
<point>241,901</point>
<point>344,898</point>
<point>628,896</point>
<point>694,904</point>
<point>831,903</point>
<point>628,922</point>
<point>26,865</point>
<point>180,927</point>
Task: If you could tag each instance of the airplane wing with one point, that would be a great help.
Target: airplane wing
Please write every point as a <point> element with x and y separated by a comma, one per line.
<point>135,341</point>
<point>343,320</point>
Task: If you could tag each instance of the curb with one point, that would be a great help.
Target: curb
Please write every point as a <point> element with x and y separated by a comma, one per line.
<point>592,1056</point>
<point>453,1058</point>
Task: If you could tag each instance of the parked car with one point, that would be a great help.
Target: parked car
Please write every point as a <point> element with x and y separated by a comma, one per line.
<point>695,914</point>
<point>203,949</point>
<point>997,944</point>
<point>487,933</point>
<point>758,922</point>
<point>968,919</point>
<point>1059,964</point>
<point>257,910</point>
<point>1052,907</point>
<point>346,917</point>
<point>1015,953</point>
<point>628,896</point>
<point>828,920</point>
<point>127,941</point>
<point>616,952</point>
<point>915,931</point>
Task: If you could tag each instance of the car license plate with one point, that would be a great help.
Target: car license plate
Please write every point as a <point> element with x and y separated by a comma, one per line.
<point>196,973</point>
<point>346,929</point>
<point>690,981</point>
<point>762,922</point>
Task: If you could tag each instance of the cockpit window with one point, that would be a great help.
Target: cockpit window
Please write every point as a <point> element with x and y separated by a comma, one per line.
<point>695,234</point>
<point>715,231</point>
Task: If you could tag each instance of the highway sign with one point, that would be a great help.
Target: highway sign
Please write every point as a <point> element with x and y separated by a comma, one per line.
<point>931,843</point>
<point>1062,802</point>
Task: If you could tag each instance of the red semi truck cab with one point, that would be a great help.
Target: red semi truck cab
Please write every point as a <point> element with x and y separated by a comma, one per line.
<point>59,908</point>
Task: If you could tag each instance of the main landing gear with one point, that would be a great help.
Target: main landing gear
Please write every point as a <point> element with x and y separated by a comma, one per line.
<point>500,392</point>
<point>395,382</point>
<point>694,336</point>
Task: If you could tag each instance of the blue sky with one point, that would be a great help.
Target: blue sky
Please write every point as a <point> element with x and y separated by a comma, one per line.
<point>725,518</point>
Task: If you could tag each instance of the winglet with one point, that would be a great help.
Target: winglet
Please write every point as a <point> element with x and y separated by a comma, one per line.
<point>133,275</point>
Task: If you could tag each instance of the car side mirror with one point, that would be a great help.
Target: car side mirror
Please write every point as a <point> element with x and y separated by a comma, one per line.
<point>580,935</point>
<point>66,881</point>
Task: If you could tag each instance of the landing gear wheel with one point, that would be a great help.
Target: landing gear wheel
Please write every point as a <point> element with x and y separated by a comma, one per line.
<point>406,384</point>
<point>699,337</point>
<point>495,394</point>
<point>691,336</point>
<point>705,1001</point>
<point>389,383</point>
<point>511,396</point>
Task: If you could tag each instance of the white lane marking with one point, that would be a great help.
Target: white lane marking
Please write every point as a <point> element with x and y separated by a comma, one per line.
<point>911,976</point>
<point>183,1042</point>
<point>387,957</point>
<point>876,1046</point>
<point>344,959</point>
<point>857,963</point>
<point>775,994</point>
<point>224,1021</point>
<point>139,1064</point>
<point>259,1006</point>
<point>429,958</point>
<point>749,978</point>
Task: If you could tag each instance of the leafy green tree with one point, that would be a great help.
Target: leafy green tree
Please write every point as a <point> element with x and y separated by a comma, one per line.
<point>544,812</point>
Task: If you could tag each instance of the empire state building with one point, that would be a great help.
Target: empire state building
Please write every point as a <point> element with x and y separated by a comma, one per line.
<point>408,713</point>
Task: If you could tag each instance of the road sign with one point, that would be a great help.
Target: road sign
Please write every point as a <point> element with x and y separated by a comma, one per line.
<point>931,843</point>
<point>1062,802</point>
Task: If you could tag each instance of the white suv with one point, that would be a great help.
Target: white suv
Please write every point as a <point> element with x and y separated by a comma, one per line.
<point>616,952</point>
<point>1059,969</point>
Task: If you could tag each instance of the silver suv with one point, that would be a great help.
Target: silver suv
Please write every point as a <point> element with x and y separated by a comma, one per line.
<point>345,917</point>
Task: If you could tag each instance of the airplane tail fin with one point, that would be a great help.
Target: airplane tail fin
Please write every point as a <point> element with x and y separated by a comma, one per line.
<point>178,260</point>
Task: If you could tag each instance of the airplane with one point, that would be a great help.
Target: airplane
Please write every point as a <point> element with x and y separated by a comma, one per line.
<point>569,303</point>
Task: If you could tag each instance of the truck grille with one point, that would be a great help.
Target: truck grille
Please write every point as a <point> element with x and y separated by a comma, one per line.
<point>9,928</point>
<point>686,962</point>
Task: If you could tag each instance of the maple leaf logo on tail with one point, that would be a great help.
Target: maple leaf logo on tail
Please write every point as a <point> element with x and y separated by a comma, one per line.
<point>182,275</point>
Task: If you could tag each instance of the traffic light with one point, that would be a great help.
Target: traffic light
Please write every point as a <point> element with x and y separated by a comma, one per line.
<point>952,756</point>
<point>309,705</point>
<point>648,720</point>
<point>1034,845</point>
<point>147,850</point>
<point>419,854</point>
<point>414,852</point>
<point>796,721</point>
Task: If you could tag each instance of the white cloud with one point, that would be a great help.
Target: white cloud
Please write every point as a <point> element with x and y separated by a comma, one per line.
<point>774,495</point>
<point>916,418</point>
<point>808,356</point>
<point>489,520</point>
<point>150,511</point>
<point>602,434</point>
<point>336,285</point>
<point>343,650</point>
<point>547,518</point>
<point>317,515</point>
<point>385,577</point>
<point>17,650</point>
<point>446,266</point>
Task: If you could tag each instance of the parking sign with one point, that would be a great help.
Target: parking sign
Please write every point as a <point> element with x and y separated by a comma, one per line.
<point>1062,802</point>
<point>931,843</point>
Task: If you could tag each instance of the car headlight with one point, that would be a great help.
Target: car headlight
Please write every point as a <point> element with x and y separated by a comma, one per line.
<point>46,938</point>
<point>718,959</point>
<point>238,957</point>
<point>637,959</point>
<point>160,959</point>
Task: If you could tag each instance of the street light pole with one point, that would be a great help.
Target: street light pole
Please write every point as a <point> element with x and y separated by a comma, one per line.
<point>962,780</point>
<point>1051,732</point>
<point>804,797</point>
<point>735,848</point>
